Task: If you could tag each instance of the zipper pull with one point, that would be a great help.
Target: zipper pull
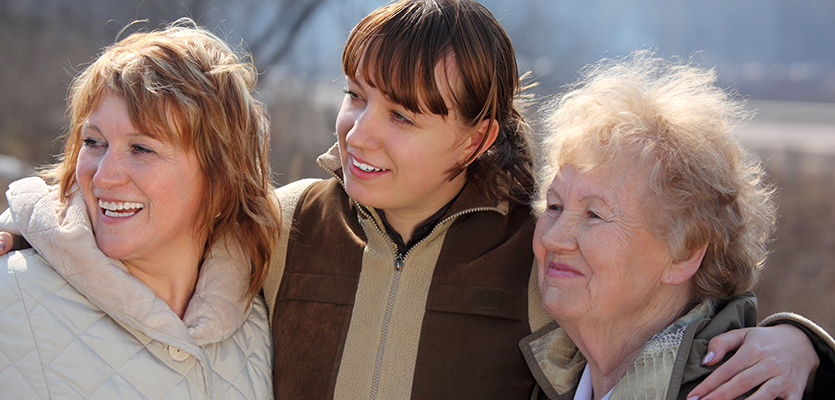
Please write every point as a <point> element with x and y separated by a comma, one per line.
<point>398,262</point>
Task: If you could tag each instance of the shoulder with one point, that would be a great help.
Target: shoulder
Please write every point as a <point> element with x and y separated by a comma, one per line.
<point>254,337</point>
<point>29,287</point>
<point>288,197</point>
<point>29,280</point>
<point>739,312</point>
<point>27,271</point>
<point>291,192</point>
<point>245,360</point>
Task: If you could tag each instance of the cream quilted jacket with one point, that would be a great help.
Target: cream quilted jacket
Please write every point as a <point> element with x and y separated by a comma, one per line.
<point>75,325</point>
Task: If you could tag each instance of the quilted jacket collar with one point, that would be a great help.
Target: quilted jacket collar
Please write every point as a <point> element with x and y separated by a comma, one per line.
<point>62,234</point>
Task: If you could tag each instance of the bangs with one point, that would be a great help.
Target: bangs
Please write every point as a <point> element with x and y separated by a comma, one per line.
<point>396,50</point>
<point>154,105</point>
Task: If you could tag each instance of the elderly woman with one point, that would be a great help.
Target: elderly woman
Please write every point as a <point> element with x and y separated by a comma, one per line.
<point>651,235</point>
<point>150,237</point>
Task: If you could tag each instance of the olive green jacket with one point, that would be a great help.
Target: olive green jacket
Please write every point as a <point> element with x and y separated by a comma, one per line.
<point>669,366</point>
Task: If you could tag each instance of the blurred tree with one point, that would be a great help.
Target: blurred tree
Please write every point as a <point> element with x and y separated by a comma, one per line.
<point>274,42</point>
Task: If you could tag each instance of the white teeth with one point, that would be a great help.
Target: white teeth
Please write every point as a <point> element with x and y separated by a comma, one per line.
<point>365,167</point>
<point>110,209</point>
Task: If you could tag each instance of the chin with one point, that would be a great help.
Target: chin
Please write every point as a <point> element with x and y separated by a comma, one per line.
<point>558,306</point>
<point>111,250</point>
<point>361,194</point>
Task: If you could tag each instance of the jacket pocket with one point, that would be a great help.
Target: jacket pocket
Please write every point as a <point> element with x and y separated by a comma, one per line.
<point>479,300</point>
<point>320,288</point>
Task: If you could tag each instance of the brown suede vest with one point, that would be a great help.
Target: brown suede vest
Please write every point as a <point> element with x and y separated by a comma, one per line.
<point>476,310</point>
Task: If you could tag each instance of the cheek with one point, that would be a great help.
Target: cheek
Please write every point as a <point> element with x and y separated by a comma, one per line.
<point>85,168</point>
<point>539,251</point>
<point>344,121</point>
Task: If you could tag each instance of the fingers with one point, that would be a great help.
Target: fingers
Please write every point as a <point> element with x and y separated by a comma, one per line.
<point>776,361</point>
<point>721,345</point>
<point>776,386</point>
<point>772,390</point>
<point>6,242</point>
<point>731,379</point>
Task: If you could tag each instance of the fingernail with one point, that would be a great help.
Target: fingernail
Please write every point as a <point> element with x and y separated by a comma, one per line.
<point>693,398</point>
<point>2,246</point>
<point>708,358</point>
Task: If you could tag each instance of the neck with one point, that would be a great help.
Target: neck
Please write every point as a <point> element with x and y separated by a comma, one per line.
<point>612,345</point>
<point>405,225</point>
<point>405,221</point>
<point>173,282</point>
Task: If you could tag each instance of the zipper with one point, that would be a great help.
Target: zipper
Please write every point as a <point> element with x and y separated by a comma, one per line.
<point>378,363</point>
<point>399,262</point>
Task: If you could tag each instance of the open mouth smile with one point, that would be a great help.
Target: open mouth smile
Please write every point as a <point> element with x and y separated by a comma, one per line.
<point>365,167</point>
<point>120,209</point>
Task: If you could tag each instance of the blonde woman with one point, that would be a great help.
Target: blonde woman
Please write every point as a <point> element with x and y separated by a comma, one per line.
<point>152,235</point>
<point>652,233</point>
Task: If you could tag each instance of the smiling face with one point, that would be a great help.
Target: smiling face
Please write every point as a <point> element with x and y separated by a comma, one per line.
<point>597,257</point>
<point>143,195</point>
<point>397,160</point>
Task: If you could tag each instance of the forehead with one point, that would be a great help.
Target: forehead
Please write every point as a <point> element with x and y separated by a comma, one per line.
<point>109,109</point>
<point>625,185</point>
<point>412,86</point>
<point>161,121</point>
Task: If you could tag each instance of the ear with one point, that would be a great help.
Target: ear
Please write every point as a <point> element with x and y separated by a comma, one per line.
<point>486,132</point>
<point>679,272</point>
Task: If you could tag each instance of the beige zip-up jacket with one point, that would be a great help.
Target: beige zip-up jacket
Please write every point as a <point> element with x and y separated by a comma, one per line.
<point>352,319</point>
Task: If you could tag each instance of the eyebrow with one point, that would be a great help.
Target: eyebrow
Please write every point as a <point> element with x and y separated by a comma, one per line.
<point>586,198</point>
<point>88,125</point>
<point>354,81</point>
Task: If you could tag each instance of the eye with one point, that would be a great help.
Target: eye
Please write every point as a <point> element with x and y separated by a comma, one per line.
<point>399,118</point>
<point>594,215</point>
<point>139,149</point>
<point>93,146</point>
<point>554,209</point>
<point>352,94</point>
<point>91,143</point>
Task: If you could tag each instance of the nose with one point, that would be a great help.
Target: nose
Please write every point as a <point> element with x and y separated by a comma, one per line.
<point>364,130</point>
<point>110,170</point>
<point>559,234</point>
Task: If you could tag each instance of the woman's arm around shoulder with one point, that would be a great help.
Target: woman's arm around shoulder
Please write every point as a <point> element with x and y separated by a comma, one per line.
<point>787,357</point>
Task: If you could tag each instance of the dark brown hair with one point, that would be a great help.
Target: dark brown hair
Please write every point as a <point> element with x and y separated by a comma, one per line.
<point>400,44</point>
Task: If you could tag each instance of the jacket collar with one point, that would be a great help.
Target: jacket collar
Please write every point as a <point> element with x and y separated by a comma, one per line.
<point>62,235</point>
<point>557,364</point>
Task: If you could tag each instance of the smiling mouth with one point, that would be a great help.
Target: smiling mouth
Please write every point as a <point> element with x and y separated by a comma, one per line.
<point>562,270</point>
<point>366,167</point>
<point>120,210</point>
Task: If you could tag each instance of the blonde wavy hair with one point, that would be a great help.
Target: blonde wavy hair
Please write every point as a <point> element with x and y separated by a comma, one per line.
<point>671,119</point>
<point>189,73</point>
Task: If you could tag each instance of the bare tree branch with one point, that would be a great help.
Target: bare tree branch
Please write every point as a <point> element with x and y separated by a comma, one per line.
<point>283,29</point>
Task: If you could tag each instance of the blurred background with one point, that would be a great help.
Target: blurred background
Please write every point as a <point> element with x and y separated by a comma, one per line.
<point>778,54</point>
